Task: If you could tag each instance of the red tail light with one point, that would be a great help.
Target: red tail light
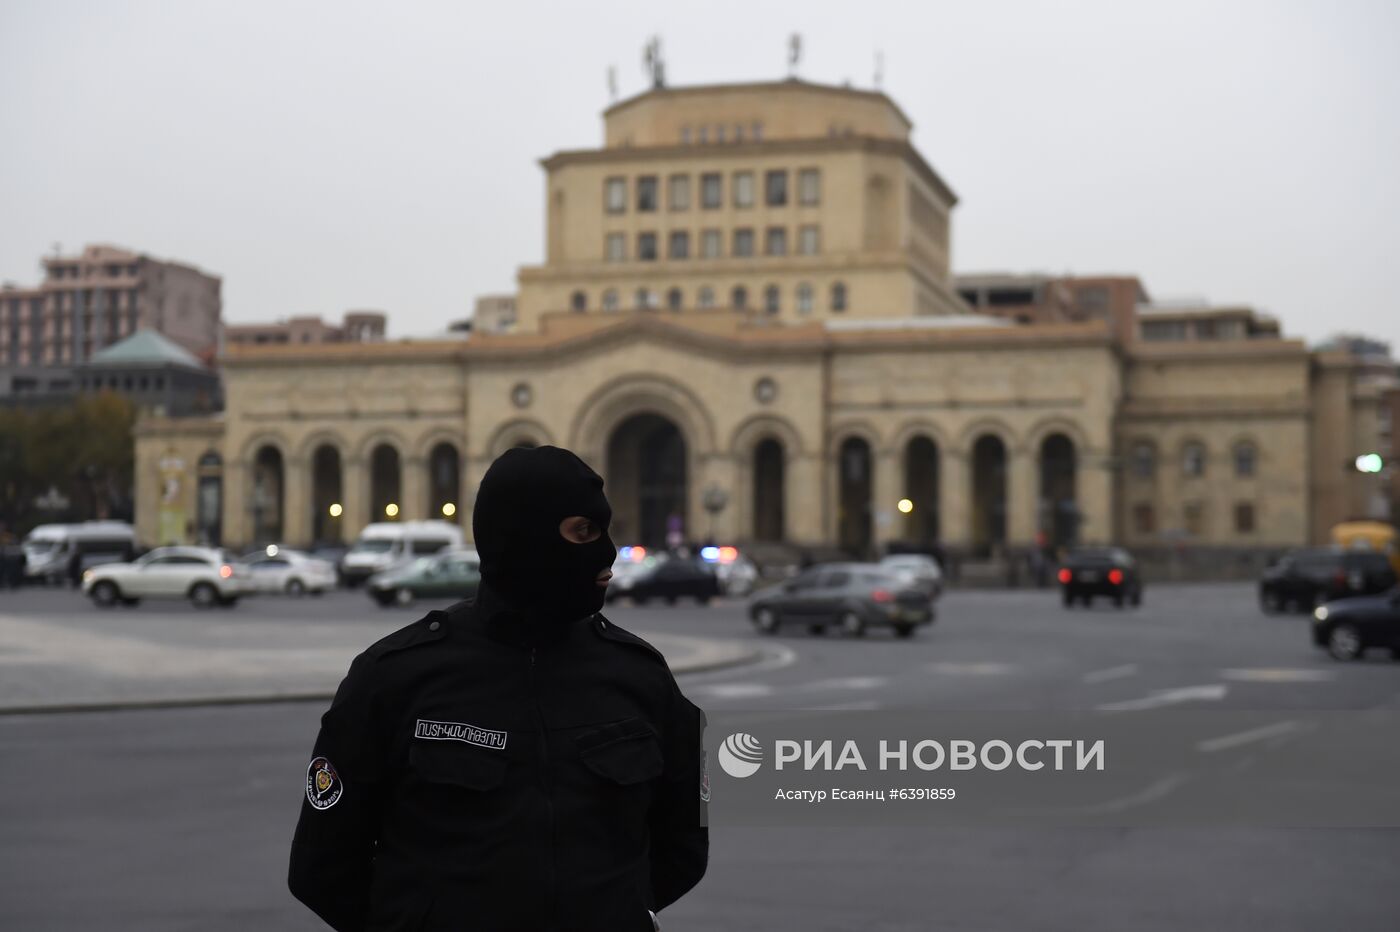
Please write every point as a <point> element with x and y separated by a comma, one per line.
<point>1066,576</point>
<point>1115,577</point>
<point>882,595</point>
<point>1340,578</point>
<point>225,571</point>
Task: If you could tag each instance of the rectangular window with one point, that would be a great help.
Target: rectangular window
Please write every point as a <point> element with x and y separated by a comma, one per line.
<point>743,189</point>
<point>1144,521</point>
<point>711,191</point>
<point>775,241</point>
<point>809,187</point>
<point>1244,518</point>
<point>615,195</point>
<point>1193,515</point>
<point>809,240</point>
<point>775,188</point>
<point>711,244</point>
<point>616,247</point>
<point>680,192</point>
<point>680,245</point>
<point>646,193</point>
<point>743,242</point>
<point>646,246</point>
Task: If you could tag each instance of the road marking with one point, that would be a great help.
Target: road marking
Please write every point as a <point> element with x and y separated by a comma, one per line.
<point>1277,675</point>
<point>864,705</point>
<point>985,668</point>
<point>779,656</point>
<point>735,690</point>
<point>1261,733</point>
<point>1111,673</point>
<point>848,682</point>
<point>1164,697</point>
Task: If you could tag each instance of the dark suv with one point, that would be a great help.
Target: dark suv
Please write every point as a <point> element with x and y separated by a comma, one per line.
<point>853,596</point>
<point>1305,579</point>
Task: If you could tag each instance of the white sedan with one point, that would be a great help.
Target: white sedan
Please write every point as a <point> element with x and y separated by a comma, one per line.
<point>200,574</point>
<point>278,569</point>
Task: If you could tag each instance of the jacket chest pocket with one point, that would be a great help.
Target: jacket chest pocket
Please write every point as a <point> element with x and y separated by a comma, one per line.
<point>624,753</point>
<point>451,764</point>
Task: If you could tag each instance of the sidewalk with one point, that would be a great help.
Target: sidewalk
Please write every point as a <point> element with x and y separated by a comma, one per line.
<point>116,660</point>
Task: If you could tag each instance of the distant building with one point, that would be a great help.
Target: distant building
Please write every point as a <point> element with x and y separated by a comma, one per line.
<point>155,373</point>
<point>91,301</point>
<point>355,327</point>
<point>1166,325</point>
<point>495,313</point>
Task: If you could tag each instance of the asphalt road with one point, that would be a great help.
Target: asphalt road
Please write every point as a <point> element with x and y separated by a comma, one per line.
<point>180,819</point>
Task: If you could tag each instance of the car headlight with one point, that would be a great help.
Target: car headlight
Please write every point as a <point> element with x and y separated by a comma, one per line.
<point>1320,613</point>
<point>87,575</point>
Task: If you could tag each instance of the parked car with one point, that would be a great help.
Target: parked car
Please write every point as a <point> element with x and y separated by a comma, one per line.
<point>201,574</point>
<point>852,596</point>
<point>386,543</point>
<point>454,575</point>
<point>55,552</point>
<point>1305,579</point>
<point>1349,627</point>
<point>1100,571</point>
<point>920,568</point>
<point>737,574</point>
<point>280,569</point>
<point>664,577</point>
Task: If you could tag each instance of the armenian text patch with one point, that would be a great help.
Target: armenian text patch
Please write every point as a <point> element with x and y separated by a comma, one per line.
<point>460,731</point>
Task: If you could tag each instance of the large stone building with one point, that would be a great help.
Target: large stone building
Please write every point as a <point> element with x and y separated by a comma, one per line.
<point>746,320</point>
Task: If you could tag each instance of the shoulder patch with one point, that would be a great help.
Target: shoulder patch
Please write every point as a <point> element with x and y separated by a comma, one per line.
<point>606,629</point>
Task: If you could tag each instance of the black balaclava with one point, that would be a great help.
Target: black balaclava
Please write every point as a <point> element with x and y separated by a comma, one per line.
<point>523,497</point>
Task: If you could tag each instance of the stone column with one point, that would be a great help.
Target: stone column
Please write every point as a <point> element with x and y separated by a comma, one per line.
<point>1022,497</point>
<point>718,470</point>
<point>1093,493</point>
<point>354,497</point>
<point>413,490</point>
<point>803,509</point>
<point>238,500</point>
<point>296,502</point>
<point>955,499</point>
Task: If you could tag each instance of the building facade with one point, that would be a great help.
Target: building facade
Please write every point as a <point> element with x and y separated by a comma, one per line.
<point>355,327</point>
<point>746,321</point>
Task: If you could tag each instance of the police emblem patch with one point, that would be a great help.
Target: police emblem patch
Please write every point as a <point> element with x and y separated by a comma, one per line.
<point>704,776</point>
<point>323,786</point>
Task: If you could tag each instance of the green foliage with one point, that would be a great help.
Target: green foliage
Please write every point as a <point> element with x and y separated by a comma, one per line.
<point>84,450</point>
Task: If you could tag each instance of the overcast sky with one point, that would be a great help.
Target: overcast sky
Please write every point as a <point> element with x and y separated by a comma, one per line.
<point>326,156</point>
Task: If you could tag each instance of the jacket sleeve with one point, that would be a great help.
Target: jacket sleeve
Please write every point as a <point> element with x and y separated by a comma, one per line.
<point>680,835</point>
<point>333,847</point>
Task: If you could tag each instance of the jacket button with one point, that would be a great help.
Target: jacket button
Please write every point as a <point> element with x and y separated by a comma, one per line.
<point>434,626</point>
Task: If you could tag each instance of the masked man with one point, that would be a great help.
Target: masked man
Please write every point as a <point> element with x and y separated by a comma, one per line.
<point>513,764</point>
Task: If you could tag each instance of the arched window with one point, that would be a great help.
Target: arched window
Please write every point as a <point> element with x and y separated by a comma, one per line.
<point>578,301</point>
<point>772,299</point>
<point>674,299</point>
<point>646,299</point>
<point>706,297</point>
<point>804,298</point>
<point>740,297</point>
<point>1246,458</point>
<point>838,296</point>
<point>610,300</point>
<point>1193,459</point>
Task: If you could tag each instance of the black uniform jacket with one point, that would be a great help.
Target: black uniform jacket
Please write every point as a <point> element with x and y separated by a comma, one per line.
<point>475,773</point>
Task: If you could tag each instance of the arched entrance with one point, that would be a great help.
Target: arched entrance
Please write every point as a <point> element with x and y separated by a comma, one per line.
<point>854,497</point>
<point>385,478</point>
<point>921,488</point>
<point>327,495</point>
<point>988,494</point>
<point>444,482</point>
<point>1059,513</point>
<point>646,481</point>
<point>209,501</point>
<point>267,495</point>
<point>768,490</point>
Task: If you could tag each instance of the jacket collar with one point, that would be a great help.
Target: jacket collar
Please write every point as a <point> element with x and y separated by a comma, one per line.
<point>500,621</point>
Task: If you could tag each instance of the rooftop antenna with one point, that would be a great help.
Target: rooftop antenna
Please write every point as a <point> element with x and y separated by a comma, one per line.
<point>794,53</point>
<point>879,69</point>
<point>612,83</point>
<point>653,62</point>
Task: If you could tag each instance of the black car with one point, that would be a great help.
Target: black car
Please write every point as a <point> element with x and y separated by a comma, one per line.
<point>1107,571</point>
<point>853,596</point>
<point>1305,579</point>
<point>1348,627</point>
<point>667,578</point>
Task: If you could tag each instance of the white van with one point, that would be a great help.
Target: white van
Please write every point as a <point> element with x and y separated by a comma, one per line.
<point>55,552</point>
<point>383,544</point>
